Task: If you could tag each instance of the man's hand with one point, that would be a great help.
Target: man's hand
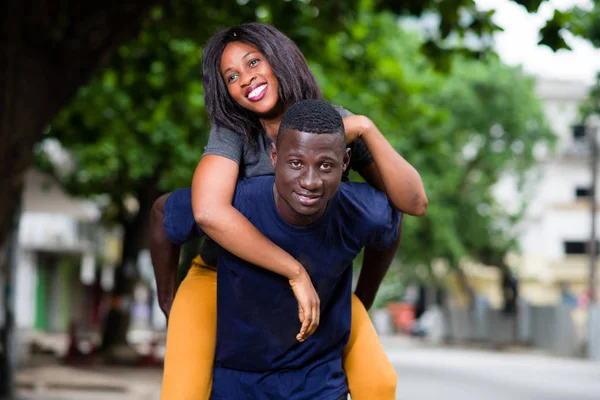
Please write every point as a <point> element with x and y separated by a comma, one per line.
<point>355,126</point>
<point>309,304</point>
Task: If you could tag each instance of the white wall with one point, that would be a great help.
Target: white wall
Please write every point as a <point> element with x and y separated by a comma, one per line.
<point>26,280</point>
<point>554,215</point>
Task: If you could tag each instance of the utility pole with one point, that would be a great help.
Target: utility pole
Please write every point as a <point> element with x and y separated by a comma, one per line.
<point>592,248</point>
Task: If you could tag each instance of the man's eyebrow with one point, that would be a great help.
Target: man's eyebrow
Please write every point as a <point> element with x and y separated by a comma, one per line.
<point>329,158</point>
<point>245,55</point>
<point>321,158</point>
<point>295,155</point>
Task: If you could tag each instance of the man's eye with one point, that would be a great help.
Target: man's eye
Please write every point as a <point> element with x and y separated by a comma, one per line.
<point>296,164</point>
<point>326,166</point>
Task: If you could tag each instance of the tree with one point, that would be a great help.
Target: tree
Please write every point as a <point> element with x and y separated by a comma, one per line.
<point>585,22</point>
<point>50,49</point>
<point>135,132</point>
<point>499,121</point>
<point>462,131</point>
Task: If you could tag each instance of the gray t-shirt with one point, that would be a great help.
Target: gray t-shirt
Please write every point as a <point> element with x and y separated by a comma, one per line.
<point>254,160</point>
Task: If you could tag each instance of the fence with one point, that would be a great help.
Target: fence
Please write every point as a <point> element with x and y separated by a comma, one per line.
<point>561,330</point>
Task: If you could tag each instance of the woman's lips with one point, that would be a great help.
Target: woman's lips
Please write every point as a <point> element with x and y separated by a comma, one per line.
<point>258,92</point>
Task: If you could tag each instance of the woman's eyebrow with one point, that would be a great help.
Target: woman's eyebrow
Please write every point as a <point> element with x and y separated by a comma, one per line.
<point>243,58</point>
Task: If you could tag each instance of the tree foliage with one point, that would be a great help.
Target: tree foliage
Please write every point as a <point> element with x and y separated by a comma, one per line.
<point>462,131</point>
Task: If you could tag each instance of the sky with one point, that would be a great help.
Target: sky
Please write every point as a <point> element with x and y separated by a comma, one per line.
<point>518,43</point>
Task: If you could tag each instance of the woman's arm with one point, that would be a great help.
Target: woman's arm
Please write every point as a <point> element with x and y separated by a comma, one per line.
<point>397,178</point>
<point>213,188</point>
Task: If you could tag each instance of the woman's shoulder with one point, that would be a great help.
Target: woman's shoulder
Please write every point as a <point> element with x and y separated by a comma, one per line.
<point>219,131</point>
<point>342,111</point>
<point>224,142</point>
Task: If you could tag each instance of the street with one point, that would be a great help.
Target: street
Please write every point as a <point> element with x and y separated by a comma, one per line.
<point>453,373</point>
<point>424,373</point>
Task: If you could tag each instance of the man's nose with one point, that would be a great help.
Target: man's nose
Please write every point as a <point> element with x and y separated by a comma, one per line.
<point>311,179</point>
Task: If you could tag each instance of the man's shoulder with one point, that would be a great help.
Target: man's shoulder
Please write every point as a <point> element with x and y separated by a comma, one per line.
<point>255,183</point>
<point>252,189</point>
<point>368,214</point>
<point>362,193</point>
<point>364,204</point>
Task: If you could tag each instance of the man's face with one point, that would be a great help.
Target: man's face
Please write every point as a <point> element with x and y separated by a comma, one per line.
<point>308,172</point>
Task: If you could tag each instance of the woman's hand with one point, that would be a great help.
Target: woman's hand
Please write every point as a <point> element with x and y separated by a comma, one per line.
<point>309,305</point>
<point>356,126</point>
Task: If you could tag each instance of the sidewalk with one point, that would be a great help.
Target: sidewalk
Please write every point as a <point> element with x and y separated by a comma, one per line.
<point>57,382</point>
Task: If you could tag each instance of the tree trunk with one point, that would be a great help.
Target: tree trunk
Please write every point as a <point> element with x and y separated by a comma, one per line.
<point>135,238</point>
<point>510,291</point>
<point>48,49</point>
<point>465,286</point>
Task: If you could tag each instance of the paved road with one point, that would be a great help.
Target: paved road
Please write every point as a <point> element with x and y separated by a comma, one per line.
<point>424,373</point>
<point>441,373</point>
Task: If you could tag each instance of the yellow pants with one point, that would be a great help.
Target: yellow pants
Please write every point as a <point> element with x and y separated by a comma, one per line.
<point>191,340</point>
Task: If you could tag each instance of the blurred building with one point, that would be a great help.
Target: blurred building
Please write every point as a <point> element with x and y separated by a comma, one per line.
<point>59,278</point>
<point>553,265</point>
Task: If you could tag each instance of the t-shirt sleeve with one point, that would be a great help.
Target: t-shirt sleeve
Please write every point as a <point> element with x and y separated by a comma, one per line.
<point>384,233</point>
<point>360,156</point>
<point>372,212</point>
<point>225,143</point>
<point>179,222</point>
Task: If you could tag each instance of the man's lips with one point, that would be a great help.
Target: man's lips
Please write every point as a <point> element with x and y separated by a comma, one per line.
<point>256,91</point>
<point>306,200</point>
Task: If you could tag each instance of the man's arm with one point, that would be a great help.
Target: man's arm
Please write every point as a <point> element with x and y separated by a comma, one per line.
<point>375,265</point>
<point>165,257</point>
<point>172,223</point>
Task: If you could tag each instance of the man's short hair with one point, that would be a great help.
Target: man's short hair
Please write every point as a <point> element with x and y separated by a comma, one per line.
<point>312,116</point>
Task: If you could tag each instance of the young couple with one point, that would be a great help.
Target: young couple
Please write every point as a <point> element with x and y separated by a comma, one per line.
<point>288,241</point>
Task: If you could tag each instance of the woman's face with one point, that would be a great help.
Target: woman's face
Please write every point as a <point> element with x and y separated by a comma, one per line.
<point>250,79</point>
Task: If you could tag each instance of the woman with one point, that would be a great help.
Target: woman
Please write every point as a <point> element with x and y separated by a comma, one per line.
<point>251,74</point>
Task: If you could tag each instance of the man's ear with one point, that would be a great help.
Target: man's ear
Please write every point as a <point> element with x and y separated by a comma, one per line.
<point>273,155</point>
<point>346,160</point>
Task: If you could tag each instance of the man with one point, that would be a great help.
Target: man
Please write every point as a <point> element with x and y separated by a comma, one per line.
<point>305,211</point>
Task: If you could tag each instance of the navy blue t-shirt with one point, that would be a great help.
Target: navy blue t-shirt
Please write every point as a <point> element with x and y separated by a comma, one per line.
<point>257,355</point>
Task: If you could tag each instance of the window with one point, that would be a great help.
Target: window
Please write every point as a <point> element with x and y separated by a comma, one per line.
<point>578,132</point>
<point>576,247</point>
<point>582,192</point>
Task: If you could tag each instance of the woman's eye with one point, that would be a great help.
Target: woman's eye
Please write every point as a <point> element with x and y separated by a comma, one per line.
<point>231,78</point>
<point>253,62</point>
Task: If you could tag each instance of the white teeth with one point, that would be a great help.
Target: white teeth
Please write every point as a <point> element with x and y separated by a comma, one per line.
<point>257,91</point>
